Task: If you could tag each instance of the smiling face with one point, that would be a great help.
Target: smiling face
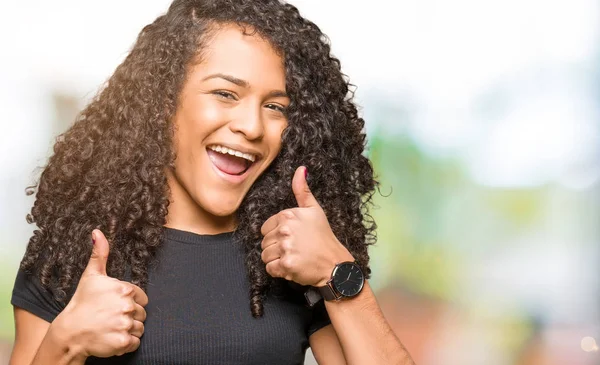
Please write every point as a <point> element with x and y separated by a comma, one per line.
<point>228,128</point>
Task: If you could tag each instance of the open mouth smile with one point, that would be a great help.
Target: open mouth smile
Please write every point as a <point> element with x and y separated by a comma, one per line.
<point>230,163</point>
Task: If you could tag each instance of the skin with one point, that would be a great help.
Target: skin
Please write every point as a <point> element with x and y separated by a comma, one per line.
<point>236,97</point>
<point>300,238</point>
<point>245,111</point>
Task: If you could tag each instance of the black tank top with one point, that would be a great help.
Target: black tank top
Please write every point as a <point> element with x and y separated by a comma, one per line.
<point>198,310</point>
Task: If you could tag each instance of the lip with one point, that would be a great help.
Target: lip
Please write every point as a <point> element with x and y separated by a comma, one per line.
<point>233,179</point>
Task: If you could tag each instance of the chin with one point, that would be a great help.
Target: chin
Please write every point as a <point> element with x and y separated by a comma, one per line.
<point>221,206</point>
<point>223,212</point>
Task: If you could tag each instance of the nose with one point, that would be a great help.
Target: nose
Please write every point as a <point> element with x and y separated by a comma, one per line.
<point>249,123</point>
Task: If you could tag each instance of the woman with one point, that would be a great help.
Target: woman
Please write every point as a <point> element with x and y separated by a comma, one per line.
<point>189,169</point>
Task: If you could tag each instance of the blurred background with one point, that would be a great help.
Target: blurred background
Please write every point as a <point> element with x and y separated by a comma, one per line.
<point>483,122</point>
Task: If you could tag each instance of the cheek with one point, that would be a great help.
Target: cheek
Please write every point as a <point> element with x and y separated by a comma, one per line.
<point>195,122</point>
<point>274,134</point>
<point>200,110</point>
<point>211,114</point>
<point>207,117</point>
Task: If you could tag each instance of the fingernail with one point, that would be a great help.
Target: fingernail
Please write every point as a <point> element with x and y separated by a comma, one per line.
<point>93,238</point>
<point>305,173</point>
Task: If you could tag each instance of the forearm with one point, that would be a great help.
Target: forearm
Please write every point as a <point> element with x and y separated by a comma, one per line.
<point>56,350</point>
<point>363,332</point>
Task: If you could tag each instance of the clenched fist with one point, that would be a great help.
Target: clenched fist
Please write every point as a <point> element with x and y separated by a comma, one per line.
<point>105,316</point>
<point>298,243</point>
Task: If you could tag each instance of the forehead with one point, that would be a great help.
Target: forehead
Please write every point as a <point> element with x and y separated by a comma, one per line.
<point>245,55</point>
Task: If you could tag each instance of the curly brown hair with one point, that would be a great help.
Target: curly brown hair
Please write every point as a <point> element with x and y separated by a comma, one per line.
<point>108,170</point>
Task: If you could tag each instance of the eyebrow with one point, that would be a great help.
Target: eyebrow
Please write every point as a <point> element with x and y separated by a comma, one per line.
<point>245,84</point>
<point>232,79</point>
<point>277,94</point>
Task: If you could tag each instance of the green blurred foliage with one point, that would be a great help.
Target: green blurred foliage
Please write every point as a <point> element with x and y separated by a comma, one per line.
<point>7,275</point>
<point>435,224</point>
<point>432,217</point>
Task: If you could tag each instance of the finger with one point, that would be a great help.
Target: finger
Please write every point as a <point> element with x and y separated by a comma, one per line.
<point>269,240</point>
<point>139,314</point>
<point>302,192</point>
<point>99,257</point>
<point>137,311</point>
<point>274,268</point>
<point>271,253</point>
<point>139,296</point>
<point>134,343</point>
<point>269,225</point>
<point>137,329</point>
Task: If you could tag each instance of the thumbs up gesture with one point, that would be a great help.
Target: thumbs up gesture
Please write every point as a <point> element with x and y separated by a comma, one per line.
<point>105,316</point>
<point>298,243</point>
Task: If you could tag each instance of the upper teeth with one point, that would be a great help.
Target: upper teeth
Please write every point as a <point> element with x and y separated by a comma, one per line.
<point>223,149</point>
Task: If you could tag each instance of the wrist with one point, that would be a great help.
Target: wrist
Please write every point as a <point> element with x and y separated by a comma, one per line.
<point>64,337</point>
<point>343,256</point>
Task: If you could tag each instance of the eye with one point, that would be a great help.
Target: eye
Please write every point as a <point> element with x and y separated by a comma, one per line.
<point>225,94</point>
<point>276,107</point>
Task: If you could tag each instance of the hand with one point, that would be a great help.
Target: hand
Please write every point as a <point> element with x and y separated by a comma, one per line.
<point>105,316</point>
<point>298,243</point>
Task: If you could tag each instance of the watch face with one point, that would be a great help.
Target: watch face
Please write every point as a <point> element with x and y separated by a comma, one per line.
<point>348,279</point>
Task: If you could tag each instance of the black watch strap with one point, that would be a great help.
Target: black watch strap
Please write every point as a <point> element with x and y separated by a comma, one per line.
<point>328,292</point>
<point>313,295</point>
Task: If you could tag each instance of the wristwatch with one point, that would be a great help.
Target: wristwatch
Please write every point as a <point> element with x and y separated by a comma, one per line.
<point>347,280</point>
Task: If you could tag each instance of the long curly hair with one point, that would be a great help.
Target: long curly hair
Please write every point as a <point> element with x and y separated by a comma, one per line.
<point>108,170</point>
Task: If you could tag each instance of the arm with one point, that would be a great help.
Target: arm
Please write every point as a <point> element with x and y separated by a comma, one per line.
<point>104,318</point>
<point>36,343</point>
<point>299,245</point>
<point>326,347</point>
<point>361,332</point>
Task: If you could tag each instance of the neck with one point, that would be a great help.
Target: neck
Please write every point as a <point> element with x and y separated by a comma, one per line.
<point>187,215</point>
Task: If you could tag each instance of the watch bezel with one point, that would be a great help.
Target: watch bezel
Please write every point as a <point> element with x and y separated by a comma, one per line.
<point>336,272</point>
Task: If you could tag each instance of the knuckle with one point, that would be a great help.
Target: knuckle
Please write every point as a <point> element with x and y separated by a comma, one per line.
<point>126,289</point>
<point>285,230</point>
<point>126,323</point>
<point>287,263</point>
<point>124,341</point>
<point>286,245</point>
<point>288,214</point>
<point>128,307</point>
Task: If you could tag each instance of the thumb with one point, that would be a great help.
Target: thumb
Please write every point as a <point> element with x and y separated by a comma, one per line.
<point>97,263</point>
<point>304,197</point>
